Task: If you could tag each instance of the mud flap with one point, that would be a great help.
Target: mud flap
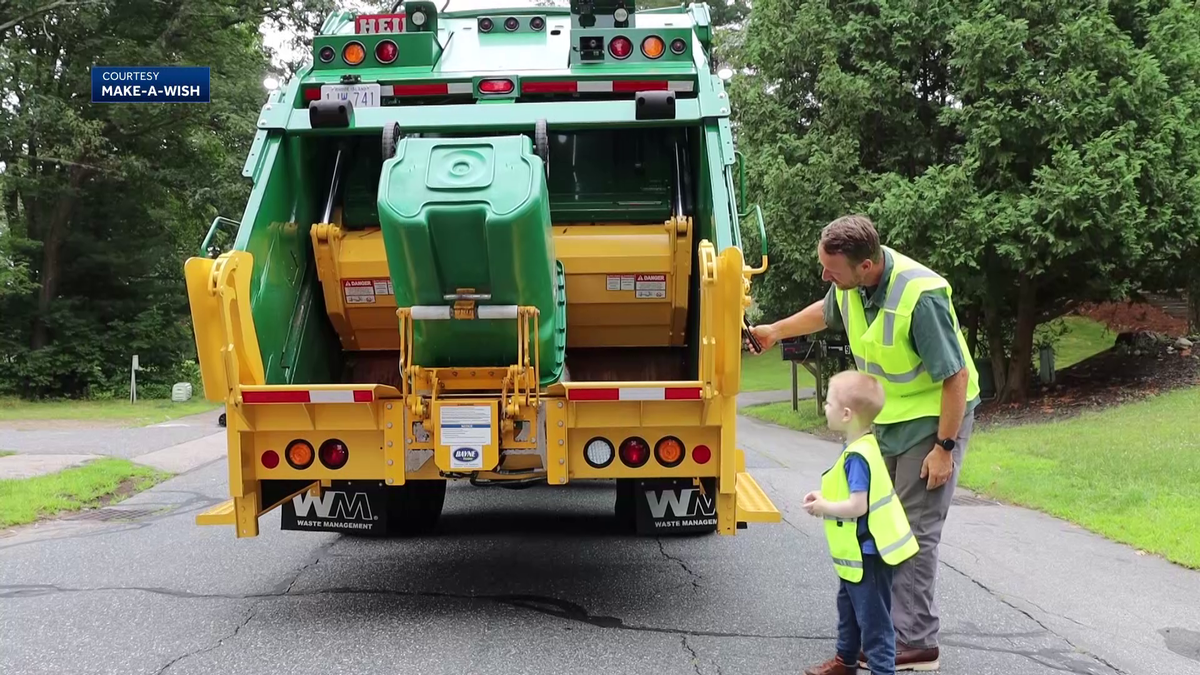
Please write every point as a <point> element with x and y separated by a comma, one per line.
<point>352,507</point>
<point>675,506</point>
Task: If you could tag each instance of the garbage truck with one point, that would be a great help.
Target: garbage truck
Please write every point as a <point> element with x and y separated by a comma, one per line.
<point>496,245</point>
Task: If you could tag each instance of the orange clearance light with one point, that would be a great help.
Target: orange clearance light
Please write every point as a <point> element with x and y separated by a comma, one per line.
<point>300,454</point>
<point>353,53</point>
<point>653,47</point>
<point>669,451</point>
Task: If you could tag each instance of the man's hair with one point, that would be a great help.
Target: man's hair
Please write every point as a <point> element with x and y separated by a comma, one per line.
<point>860,392</point>
<point>853,236</point>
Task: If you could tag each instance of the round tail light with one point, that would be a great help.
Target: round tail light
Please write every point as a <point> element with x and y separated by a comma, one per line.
<point>334,454</point>
<point>701,454</point>
<point>353,53</point>
<point>653,47</point>
<point>486,25</point>
<point>386,51</point>
<point>678,46</point>
<point>634,452</point>
<point>511,24</point>
<point>270,459</point>
<point>537,23</point>
<point>326,54</point>
<point>300,454</point>
<point>620,47</point>
<point>669,451</point>
<point>598,452</point>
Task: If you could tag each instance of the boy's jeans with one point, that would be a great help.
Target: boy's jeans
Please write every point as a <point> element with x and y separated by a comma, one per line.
<point>865,618</point>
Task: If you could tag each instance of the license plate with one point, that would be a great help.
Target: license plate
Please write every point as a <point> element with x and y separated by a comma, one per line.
<point>359,95</point>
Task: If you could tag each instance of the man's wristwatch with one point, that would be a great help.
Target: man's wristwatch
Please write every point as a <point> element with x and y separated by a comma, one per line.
<point>947,444</point>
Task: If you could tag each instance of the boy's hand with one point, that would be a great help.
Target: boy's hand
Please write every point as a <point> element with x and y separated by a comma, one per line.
<point>816,505</point>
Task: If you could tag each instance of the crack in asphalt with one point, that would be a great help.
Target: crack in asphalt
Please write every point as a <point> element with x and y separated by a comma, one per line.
<point>1031,617</point>
<point>561,609</point>
<point>695,658</point>
<point>695,577</point>
<point>208,648</point>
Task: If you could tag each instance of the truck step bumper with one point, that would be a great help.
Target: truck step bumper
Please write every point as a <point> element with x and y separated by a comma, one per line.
<point>753,505</point>
<point>221,514</point>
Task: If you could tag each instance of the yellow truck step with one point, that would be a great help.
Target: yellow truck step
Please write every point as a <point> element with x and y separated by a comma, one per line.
<point>221,514</point>
<point>753,505</point>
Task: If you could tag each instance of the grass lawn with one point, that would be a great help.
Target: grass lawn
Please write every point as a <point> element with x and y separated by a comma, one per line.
<point>148,411</point>
<point>6,453</point>
<point>1130,473</point>
<point>769,372</point>
<point>805,419</point>
<point>24,500</point>
<point>1084,339</point>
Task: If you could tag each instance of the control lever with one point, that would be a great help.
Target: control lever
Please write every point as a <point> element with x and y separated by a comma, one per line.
<point>748,336</point>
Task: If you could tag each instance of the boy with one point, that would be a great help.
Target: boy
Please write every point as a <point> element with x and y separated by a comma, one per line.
<point>865,526</point>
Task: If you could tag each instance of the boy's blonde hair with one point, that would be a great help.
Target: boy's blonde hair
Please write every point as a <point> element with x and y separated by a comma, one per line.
<point>860,392</point>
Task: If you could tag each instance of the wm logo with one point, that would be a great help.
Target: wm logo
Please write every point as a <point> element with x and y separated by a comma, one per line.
<point>333,504</point>
<point>686,503</point>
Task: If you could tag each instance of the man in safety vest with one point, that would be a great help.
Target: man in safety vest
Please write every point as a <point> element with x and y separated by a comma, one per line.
<point>902,328</point>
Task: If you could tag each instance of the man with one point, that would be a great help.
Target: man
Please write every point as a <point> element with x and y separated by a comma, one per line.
<point>902,329</point>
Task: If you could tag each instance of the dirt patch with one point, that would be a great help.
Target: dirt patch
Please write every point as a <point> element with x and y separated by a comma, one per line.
<point>1123,317</point>
<point>1137,367</point>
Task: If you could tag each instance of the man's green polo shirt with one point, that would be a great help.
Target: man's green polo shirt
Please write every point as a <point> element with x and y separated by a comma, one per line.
<point>933,338</point>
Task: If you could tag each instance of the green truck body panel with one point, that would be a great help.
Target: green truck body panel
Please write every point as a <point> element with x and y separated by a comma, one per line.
<point>473,216</point>
<point>606,165</point>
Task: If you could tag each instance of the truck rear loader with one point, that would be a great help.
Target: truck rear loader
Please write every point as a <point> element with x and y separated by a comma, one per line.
<point>496,245</point>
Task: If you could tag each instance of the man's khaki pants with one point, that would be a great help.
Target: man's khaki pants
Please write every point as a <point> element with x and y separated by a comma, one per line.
<point>914,602</point>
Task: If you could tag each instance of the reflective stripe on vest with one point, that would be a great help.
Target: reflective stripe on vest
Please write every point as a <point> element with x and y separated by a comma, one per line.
<point>885,516</point>
<point>883,347</point>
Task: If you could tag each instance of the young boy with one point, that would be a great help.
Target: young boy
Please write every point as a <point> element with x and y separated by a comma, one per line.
<point>865,526</point>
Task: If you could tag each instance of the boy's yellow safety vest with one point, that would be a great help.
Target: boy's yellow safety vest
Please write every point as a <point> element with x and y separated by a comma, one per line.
<point>884,347</point>
<point>886,520</point>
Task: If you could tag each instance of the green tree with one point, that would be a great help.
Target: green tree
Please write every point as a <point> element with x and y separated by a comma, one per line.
<point>104,201</point>
<point>1037,153</point>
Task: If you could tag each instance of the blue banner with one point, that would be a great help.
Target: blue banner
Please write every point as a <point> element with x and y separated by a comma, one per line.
<point>150,84</point>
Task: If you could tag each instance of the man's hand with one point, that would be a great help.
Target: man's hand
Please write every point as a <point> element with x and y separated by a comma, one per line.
<point>937,467</point>
<point>766,338</point>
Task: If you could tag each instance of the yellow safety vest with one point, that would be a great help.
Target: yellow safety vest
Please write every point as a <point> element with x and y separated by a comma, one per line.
<point>884,347</point>
<point>886,520</point>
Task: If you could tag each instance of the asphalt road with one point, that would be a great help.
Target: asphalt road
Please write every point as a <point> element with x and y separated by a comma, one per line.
<point>536,581</point>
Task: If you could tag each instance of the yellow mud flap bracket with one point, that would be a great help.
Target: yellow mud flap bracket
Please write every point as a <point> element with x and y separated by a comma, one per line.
<point>221,514</point>
<point>753,505</point>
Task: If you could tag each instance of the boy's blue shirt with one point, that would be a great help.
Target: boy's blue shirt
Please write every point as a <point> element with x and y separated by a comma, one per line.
<point>858,475</point>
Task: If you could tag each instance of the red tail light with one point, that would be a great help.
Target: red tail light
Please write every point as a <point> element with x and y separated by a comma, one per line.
<point>312,94</point>
<point>270,459</point>
<point>386,51</point>
<point>620,47</point>
<point>701,454</point>
<point>634,452</point>
<point>495,86</point>
<point>334,454</point>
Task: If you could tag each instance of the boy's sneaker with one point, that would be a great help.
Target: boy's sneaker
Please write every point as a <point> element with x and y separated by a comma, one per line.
<point>910,658</point>
<point>834,666</point>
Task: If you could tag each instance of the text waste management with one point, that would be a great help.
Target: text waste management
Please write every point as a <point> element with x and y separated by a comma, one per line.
<point>150,84</point>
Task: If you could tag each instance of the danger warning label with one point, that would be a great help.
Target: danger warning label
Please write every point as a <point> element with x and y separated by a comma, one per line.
<point>364,291</point>
<point>652,286</point>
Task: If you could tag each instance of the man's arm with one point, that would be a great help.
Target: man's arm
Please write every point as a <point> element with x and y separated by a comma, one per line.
<point>814,318</point>
<point>936,342</point>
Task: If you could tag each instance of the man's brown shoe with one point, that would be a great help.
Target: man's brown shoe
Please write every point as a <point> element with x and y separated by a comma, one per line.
<point>834,666</point>
<point>912,658</point>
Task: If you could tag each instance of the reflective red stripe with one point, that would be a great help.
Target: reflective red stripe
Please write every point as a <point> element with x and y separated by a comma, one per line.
<point>683,393</point>
<point>548,87</point>
<point>594,394</point>
<point>420,89</point>
<point>312,94</point>
<point>291,396</point>
<point>364,396</point>
<point>638,85</point>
